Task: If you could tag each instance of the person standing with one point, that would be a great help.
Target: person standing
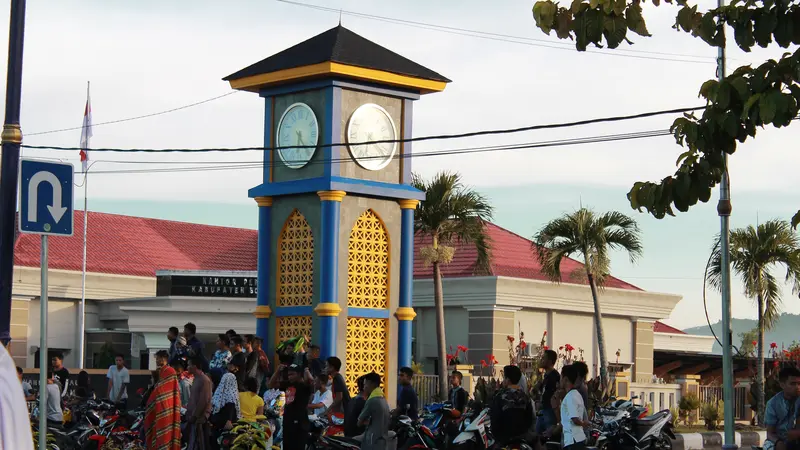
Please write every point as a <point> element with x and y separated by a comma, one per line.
<point>457,395</point>
<point>263,364</point>
<point>27,389</point>
<point>118,381</point>
<point>511,411</point>
<point>218,365</point>
<point>375,415</point>
<point>354,408</point>
<point>184,383</point>
<point>315,365</point>
<point>341,396</point>
<point>199,408</point>
<point>407,402</point>
<point>15,426</point>
<point>172,336</point>
<point>547,387</point>
<point>54,413</point>
<point>194,346</point>
<point>573,412</point>
<point>250,403</point>
<point>162,421</point>
<point>60,373</point>
<point>295,413</point>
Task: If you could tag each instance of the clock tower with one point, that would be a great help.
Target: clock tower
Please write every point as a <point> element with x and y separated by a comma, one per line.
<point>336,206</point>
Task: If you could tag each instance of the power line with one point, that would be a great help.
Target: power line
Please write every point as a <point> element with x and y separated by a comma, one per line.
<point>136,117</point>
<point>506,37</point>
<point>386,141</point>
<point>243,165</point>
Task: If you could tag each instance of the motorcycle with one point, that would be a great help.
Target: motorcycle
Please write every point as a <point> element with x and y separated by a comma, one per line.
<point>413,435</point>
<point>475,432</point>
<point>653,432</point>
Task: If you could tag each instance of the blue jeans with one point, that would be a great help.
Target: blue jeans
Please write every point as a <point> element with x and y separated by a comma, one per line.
<point>545,420</point>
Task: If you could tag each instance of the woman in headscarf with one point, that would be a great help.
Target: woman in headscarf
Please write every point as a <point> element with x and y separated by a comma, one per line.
<point>162,420</point>
<point>225,410</point>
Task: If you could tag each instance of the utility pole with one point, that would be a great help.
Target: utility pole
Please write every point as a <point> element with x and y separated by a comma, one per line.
<point>9,171</point>
<point>724,209</point>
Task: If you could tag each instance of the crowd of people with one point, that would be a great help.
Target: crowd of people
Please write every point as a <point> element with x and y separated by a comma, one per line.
<point>192,400</point>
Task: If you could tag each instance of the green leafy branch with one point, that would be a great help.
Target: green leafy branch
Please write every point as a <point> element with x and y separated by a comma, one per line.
<point>747,99</point>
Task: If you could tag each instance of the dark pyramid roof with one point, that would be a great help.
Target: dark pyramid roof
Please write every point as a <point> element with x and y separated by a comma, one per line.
<point>339,45</point>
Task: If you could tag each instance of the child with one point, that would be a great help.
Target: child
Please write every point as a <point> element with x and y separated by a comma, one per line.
<point>573,411</point>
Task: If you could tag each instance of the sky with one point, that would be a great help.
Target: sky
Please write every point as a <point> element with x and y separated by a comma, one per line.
<point>146,56</point>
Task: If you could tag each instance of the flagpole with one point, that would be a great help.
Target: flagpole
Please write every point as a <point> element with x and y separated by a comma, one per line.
<point>82,318</point>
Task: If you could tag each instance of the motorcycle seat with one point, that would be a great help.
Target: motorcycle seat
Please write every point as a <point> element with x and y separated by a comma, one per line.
<point>651,419</point>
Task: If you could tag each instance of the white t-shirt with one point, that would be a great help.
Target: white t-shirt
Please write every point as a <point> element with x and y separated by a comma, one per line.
<point>572,406</point>
<point>15,426</point>
<point>118,379</point>
<point>326,398</point>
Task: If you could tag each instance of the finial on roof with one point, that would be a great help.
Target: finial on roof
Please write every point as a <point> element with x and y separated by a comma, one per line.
<point>340,17</point>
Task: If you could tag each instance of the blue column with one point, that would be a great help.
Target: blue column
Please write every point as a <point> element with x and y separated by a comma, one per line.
<point>263,312</point>
<point>405,312</point>
<point>328,308</point>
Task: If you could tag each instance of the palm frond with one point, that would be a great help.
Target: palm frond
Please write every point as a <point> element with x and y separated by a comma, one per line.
<point>454,213</point>
<point>771,294</point>
<point>714,270</point>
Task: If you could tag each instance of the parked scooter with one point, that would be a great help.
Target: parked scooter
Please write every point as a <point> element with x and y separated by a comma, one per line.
<point>476,433</point>
<point>653,432</point>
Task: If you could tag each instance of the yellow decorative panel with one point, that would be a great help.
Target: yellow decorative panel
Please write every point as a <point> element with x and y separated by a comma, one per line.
<point>366,351</point>
<point>295,262</point>
<point>368,263</point>
<point>288,327</point>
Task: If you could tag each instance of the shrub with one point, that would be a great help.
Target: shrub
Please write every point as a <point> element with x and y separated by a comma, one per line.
<point>712,414</point>
<point>675,412</point>
<point>688,405</point>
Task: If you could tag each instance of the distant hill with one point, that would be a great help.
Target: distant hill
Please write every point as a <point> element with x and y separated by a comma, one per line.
<point>785,332</point>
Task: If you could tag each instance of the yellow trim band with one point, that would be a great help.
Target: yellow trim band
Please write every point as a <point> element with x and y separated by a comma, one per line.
<point>254,83</point>
<point>11,134</point>
<point>335,196</point>
<point>263,201</point>
<point>408,204</point>
<point>405,313</point>
<point>262,312</point>
<point>328,309</point>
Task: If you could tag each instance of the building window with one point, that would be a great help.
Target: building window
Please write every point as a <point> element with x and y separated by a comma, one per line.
<point>368,263</point>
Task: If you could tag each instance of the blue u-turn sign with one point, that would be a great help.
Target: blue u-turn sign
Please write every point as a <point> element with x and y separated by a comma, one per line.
<point>46,197</point>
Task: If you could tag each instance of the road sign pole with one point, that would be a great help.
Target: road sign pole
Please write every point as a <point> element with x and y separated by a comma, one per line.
<point>9,171</point>
<point>43,362</point>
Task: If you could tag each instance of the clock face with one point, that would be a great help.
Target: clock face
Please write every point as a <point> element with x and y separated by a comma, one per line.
<point>297,128</point>
<point>370,123</point>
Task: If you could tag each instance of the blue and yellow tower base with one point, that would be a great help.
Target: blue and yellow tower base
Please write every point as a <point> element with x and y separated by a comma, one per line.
<point>336,217</point>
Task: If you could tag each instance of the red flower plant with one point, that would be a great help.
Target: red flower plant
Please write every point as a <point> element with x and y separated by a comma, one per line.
<point>510,338</point>
<point>462,348</point>
<point>569,348</point>
<point>546,348</point>
<point>755,343</point>
<point>492,359</point>
<point>483,363</point>
<point>773,345</point>
<point>561,348</point>
<point>523,345</point>
<point>545,332</point>
<point>774,363</point>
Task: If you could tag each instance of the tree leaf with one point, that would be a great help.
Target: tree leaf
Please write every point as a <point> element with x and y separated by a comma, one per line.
<point>684,18</point>
<point>635,21</point>
<point>743,34</point>
<point>764,24</point>
<point>563,24</point>
<point>619,7</point>
<point>767,108</point>
<point>796,220</point>
<point>723,95</point>
<point>576,6</point>
<point>544,15</point>
<point>614,30</point>
<point>594,26</point>
<point>581,35</point>
<point>795,18</point>
<point>748,105</point>
<point>739,84</point>
<point>784,30</point>
<point>709,90</point>
<point>731,125</point>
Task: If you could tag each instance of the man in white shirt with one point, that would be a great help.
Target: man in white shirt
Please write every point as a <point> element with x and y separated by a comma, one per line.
<point>15,425</point>
<point>27,389</point>
<point>573,412</point>
<point>323,398</point>
<point>118,380</point>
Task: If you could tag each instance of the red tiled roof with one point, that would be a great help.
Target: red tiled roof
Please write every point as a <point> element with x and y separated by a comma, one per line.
<point>661,327</point>
<point>511,257</point>
<point>128,245</point>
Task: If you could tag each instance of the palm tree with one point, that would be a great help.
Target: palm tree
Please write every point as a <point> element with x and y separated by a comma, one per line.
<point>591,236</point>
<point>451,213</point>
<point>755,251</point>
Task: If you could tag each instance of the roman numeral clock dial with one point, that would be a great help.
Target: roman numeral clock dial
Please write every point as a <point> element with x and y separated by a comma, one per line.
<point>371,123</point>
<point>298,133</point>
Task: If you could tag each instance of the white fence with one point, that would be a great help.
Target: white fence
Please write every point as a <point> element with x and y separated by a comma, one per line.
<point>658,396</point>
